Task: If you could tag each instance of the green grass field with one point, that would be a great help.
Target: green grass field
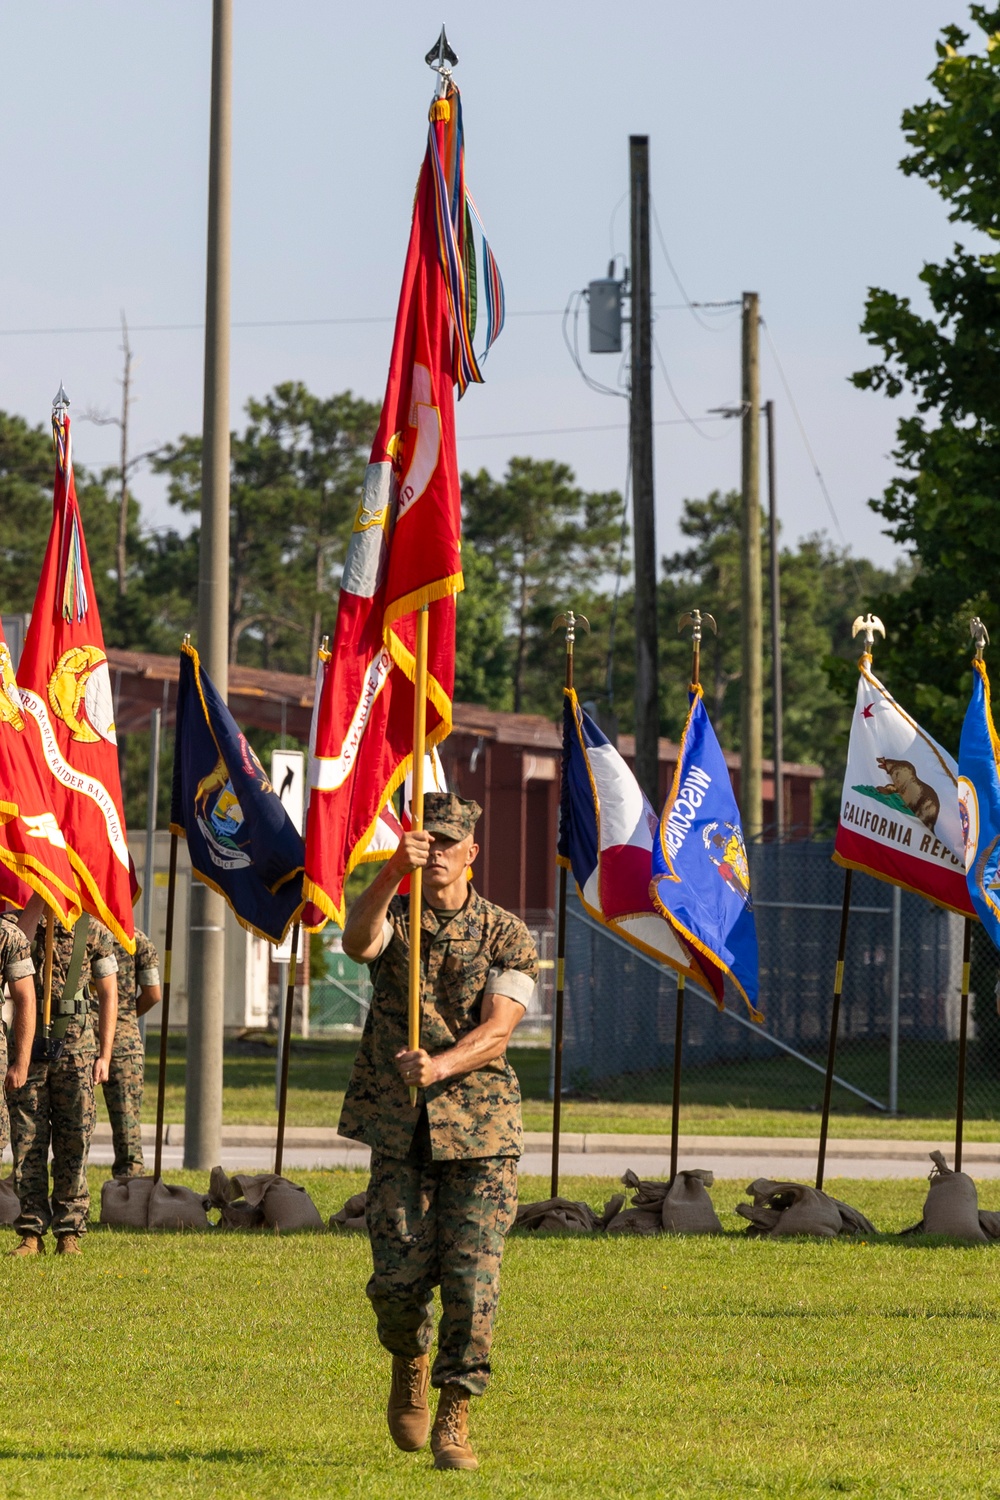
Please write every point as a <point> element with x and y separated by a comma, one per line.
<point>737,1100</point>
<point>172,1365</point>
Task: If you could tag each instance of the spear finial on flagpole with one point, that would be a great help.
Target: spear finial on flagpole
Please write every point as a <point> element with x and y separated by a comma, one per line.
<point>869,624</point>
<point>696,620</point>
<point>980,635</point>
<point>442,58</point>
<point>60,401</point>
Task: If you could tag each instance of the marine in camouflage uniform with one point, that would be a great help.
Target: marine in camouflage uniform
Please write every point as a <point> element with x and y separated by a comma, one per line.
<point>124,1085</point>
<point>443,1188</point>
<point>16,967</point>
<point>56,1104</point>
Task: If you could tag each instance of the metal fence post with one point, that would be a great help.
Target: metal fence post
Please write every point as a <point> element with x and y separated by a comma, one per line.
<point>897,910</point>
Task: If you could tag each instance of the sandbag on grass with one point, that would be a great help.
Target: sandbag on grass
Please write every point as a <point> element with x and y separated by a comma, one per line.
<point>951,1206</point>
<point>252,1200</point>
<point>352,1215</point>
<point>687,1208</point>
<point>989,1223</point>
<point>780,1208</point>
<point>10,1205</point>
<point>175,1207</point>
<point>559,1214</point>
<point>125,1202</point>
<point>637,1221</point>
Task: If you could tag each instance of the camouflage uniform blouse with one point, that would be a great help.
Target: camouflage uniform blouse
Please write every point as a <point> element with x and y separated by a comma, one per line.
<point>464,955</point>
<point>98,962</point>
<point>15,963</point>
<point>135,971</point>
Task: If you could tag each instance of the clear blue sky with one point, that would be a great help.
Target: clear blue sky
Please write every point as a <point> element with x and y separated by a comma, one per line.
<point>774,145</point>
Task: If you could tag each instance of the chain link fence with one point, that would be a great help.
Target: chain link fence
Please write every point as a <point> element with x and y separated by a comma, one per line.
<point>897,1050</point>
<point>898,1036</point>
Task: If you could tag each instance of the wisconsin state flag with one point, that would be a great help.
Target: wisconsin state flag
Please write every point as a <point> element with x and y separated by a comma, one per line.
<point>65,685</point>
<point>33,855</point>
<point>404,552</point>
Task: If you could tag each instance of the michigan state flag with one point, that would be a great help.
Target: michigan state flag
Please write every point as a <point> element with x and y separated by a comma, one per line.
<point>241,840</point>
<point>701,876</point>
<point>979,803</point>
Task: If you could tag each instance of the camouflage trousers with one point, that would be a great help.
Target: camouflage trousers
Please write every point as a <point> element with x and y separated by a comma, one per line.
<point>123,1098</point>
<point>55,1105</point>
<point>440,1223</point>
<point>4,1113</point>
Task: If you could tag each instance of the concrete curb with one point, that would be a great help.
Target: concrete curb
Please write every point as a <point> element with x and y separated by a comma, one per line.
<point>574,1143</point>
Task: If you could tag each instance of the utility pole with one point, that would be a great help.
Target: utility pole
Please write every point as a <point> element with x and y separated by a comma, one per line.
<point>751,682</point>
<point>777,710</point>
<point>122,558</point>
<point>647,705</point>
<point>206,961</point>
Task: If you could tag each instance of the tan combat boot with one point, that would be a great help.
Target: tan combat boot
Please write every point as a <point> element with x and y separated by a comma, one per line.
<point>407,1413</point>
<point>31,1244</point>
<point>68,1244</point>
<point>450,1438</point>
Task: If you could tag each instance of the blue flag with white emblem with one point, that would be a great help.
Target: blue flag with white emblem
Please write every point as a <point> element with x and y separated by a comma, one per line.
<point>701,876</point>
<point>979,803</point>
<point>241,840</point>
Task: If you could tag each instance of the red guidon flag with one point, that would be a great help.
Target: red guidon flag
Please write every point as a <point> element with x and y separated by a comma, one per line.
<point>65,685</point>
<point>405,549</point>
<point>33,855</point>
<point>899,811</point>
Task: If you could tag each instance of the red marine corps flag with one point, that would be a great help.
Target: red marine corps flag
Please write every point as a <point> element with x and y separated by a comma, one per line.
<point>405,551</point>
<point>65,685</point>
<point>33,855</point>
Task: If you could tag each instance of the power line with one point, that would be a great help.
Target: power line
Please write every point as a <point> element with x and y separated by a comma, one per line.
<point>531,312</point>
<point>812,457</point>
<point>686,417</point>
<point>691,306</point>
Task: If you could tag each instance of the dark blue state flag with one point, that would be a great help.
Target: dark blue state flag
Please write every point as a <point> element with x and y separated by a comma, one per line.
<point>701,876</point>
<point>979,802</point>
<point>241,840</point>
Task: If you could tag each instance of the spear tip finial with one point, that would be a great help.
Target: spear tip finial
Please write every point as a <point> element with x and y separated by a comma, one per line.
<point>442,57</point>
<point>60,401</point>
<point>980,635</point>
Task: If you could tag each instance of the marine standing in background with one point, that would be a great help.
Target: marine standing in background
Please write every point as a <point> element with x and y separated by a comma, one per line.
<point>138,992</point>
<point>16,968</point>
<point>56,1103</point>
<point>443,1188</point>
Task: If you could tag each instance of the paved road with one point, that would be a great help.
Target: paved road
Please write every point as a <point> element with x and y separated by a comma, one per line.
<point>740,1159</point>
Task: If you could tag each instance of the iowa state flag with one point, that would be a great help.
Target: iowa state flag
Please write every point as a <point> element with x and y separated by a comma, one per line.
<point>606,833</point>
<point>33,856</point>
<point>65,685</point>
<point>899,813</point>
<point>701,874</point>
<point>979,802</point>
<point>404,552</point>
<point>241,840</point>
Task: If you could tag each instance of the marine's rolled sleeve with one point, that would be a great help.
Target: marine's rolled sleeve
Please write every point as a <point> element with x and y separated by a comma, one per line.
<point>514,971</point>
<point>103,966</point>
<point>514,983</point>
<point>17,962</point>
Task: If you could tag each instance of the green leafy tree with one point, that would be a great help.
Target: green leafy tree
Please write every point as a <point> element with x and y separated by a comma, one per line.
<point>482,650</point>
<point>297,472</point>
<point>942,504</point>
<point>545,538</point>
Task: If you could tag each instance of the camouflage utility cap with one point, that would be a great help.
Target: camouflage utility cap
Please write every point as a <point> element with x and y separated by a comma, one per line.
<point>449,816</point>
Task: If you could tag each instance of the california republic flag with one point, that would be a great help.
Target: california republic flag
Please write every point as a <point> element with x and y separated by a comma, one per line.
<point>65,685</point>
<point>899,811</point>
<point>404,554</point>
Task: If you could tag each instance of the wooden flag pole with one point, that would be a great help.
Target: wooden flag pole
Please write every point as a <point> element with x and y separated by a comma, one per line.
<point>831,1055</point>
<point>50,938</point>
<point>696,620</point>
<point>869,624</point>
<point>571,622</point>
<point>417,823</point>
<point>168,947</point>
<point>963,1042</point>
<point>286,1042</point>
